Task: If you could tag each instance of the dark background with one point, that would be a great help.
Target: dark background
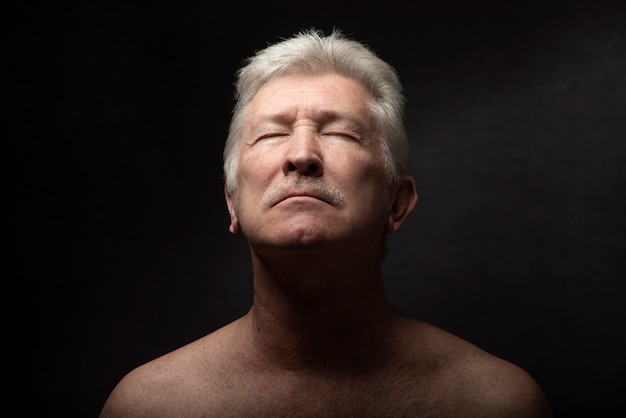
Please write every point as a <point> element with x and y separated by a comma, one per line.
<point>517,115</point>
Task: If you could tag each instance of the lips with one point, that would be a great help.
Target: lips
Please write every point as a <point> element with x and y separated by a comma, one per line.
<point>293,188</point>
<point>301,194</point>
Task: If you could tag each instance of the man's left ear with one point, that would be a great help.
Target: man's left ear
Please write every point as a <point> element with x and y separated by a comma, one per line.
<point>405,200</point>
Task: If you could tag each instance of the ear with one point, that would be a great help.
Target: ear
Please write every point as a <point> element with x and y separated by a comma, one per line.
<point>234,227</point>
<point>404,202</point>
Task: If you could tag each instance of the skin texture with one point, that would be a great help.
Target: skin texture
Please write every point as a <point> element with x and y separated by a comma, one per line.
<point>320,338</point>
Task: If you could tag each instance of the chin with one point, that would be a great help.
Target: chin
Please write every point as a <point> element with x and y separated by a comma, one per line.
<point>301,238</point>
<point>304,240</point>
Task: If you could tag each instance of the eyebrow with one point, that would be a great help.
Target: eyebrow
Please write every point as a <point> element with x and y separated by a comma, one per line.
<point>280,118</point>
<point>323,117</point>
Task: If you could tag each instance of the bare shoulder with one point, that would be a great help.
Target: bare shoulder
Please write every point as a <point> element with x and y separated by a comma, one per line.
<point>480,384</point>
<point>175,378</point>
<point>496,387</point>
<point>137,392</point>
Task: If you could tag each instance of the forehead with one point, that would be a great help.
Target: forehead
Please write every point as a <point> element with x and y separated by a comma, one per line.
<point>297,94</point>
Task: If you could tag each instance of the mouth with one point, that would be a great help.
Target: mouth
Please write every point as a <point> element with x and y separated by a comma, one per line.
<point>305,195</point>
<point>294,189</point>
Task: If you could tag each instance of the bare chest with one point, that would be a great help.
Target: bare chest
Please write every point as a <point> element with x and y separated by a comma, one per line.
<point>339,398</point>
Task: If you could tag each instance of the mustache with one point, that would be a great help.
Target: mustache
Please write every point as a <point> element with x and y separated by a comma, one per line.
<point>302,184</point>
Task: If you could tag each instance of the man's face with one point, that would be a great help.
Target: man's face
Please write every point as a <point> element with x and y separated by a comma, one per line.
<point>310,172</point>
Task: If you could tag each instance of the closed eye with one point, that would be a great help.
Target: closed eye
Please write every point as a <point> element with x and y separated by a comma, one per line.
<point>344,135</point>
<point>271,135</point>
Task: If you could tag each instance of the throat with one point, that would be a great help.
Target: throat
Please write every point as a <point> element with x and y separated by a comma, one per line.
<point>319,313</point>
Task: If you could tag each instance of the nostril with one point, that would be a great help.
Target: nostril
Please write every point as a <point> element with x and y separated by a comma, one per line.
<point>311,169</point>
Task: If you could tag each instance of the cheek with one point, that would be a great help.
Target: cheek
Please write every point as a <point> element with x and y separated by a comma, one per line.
<point>256,169</point>
<point>360,168</point>
<point>254,176</point>
<point>365,182</point>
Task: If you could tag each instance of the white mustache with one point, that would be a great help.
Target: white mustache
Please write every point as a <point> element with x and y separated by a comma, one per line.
<point>302,185</point>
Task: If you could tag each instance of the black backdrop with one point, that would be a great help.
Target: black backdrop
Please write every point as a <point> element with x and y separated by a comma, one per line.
<point>517,115</point>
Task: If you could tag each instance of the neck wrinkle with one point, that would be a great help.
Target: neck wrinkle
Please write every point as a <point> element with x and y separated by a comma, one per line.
<point>320,317</point>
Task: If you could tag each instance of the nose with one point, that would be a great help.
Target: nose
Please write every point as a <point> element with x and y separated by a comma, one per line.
<point>303,154</point>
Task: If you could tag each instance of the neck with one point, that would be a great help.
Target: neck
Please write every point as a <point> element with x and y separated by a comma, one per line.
<point>312,312</point>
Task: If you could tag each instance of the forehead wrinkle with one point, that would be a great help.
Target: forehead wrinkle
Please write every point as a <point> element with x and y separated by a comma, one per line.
<point>320,116</point>
<point>288,97</point>
<point>284,117</point>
